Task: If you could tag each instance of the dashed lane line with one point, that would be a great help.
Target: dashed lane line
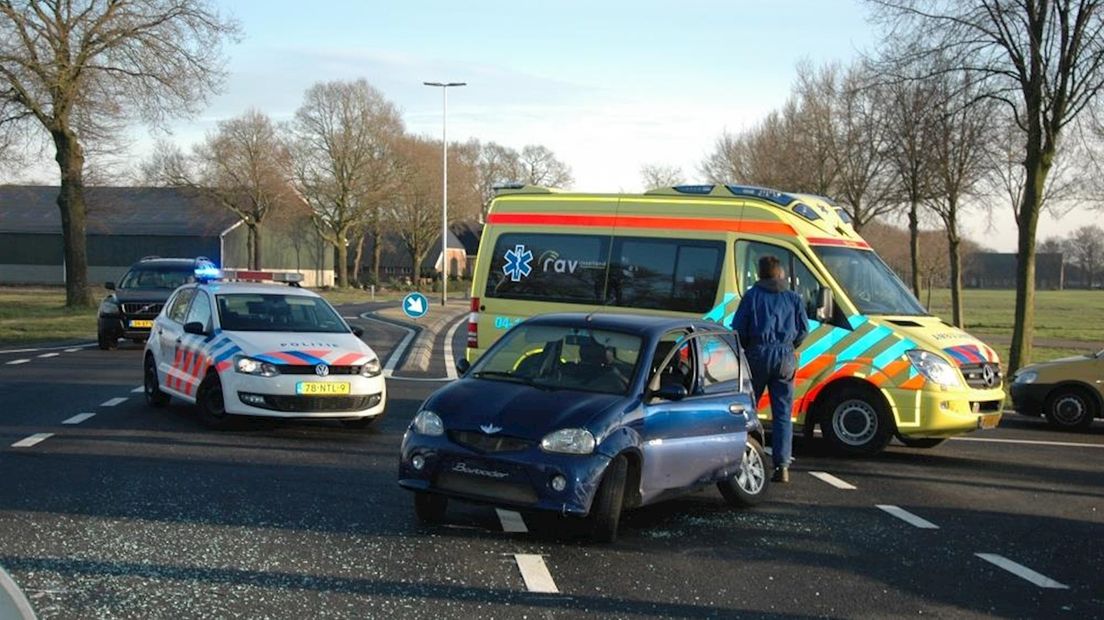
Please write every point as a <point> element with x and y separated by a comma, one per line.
<point>535,573</point>
<point>450,361</point>
<point>77,419</point>
<point>1030,442</point>
<point>68,349</point>
<point>114,401</point>
<point>16,362</point>
<point>35,439</point>
<point>832,480</point>
<point>908,517</point>
<point>511,521</point>
<point>138,390</point>
<point>73,350</point>
<point>1022,571</point>
<point>55,354</point>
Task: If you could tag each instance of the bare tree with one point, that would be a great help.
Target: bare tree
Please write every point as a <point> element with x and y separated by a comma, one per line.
<point>539,166</point>
<point>344,162</point>
<point>661,175</point>
<point>1086,249</point>
<point>1043,59</point>
<point>495,165</point>
<point>415,208</point>
<point>82,69</point>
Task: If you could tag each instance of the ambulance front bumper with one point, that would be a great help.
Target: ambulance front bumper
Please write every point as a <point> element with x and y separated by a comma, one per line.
<point>283,397</point>
<point>941,412</point>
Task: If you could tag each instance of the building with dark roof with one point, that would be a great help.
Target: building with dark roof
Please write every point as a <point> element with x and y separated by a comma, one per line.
<point>998,270</point>
<point>126,223</point>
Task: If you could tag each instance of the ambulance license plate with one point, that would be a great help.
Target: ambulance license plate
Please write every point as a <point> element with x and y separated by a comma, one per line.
<point>318,388</point>
<point>990,420</point>
<point>142,324</point>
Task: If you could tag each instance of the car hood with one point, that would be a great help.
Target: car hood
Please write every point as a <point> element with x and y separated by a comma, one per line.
<point>518,410</point>
<point>932,334</point>
<point>298,348</point>
<point>1064,368</point>
<point>159,295</point>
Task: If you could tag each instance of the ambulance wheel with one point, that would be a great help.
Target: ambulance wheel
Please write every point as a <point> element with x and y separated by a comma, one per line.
<point>212,406</point>
<point>154,396</point>
<point>605,508</point>
<point>1070,408</point>
<point>857,422</point>
<point>921,442</point>
<point>430,508</point>
<point>749,486</point>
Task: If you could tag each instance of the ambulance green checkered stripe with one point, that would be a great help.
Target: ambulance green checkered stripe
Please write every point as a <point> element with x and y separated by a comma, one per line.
<point>864,343</point>
<point>893,352</point>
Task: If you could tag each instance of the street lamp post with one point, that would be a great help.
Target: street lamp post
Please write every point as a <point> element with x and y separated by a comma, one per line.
<point>444,86</point>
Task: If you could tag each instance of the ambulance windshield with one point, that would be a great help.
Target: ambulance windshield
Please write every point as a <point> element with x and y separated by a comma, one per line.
<point>869,282</point>
<point>252,312</point>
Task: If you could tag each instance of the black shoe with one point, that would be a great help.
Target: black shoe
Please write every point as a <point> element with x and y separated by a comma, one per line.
<point>781,474</point>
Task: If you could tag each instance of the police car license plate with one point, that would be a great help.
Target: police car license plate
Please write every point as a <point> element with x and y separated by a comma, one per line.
<point>318,388</point>
<point>989,421</point>
<point>140,323</point>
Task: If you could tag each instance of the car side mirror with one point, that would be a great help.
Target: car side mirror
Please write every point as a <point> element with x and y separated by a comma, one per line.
<point>109,286</point>
<point>195,327</point>
<point>462,365</point>
<point>671,391</point>
<point>826,304</point>
<point>358,331</point>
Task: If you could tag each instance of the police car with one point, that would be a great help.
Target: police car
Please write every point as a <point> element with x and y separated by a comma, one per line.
<point>260,349</point>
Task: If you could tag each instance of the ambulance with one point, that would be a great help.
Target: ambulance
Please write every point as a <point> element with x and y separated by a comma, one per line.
<point>235,344</point>
<point>875,364</point>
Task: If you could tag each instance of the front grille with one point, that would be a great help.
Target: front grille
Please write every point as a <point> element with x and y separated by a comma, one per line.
<point>308,369</point>
<point>976,376</point>
<point>486,488</point>
<point>489,443</point>
<point>311,404</point>
<point>987,406</point>
<point>142,308</point>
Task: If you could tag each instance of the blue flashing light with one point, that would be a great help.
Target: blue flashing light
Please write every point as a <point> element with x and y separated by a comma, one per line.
<point>806,212</point>
<point>205,272</point>
<point>772,195</point>
<point>693,189</point>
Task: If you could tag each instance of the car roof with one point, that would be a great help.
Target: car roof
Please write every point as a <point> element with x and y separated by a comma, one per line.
<point>258,288</point>
<point>188,263</point>
<point>639,324</point>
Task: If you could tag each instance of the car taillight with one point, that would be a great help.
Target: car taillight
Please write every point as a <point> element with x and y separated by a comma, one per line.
<point>473,324</point>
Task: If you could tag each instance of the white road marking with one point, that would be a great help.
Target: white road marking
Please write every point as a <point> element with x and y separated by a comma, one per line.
<point>832,480</point>
<point>511,521</point>
<point>1022,571</point>
<point>535,573</point>
<point>74,350</point>
<point>113,401</point>
<point>77,419</point>
<point>396,355</point>
<point>68,349</point>
<point>138,390</point>
<point>1031,442</point>
<point>450,362</point>
<point>19,361</point>
<point>908,517</point>
<point>27,442</point>
<point>50,355</point>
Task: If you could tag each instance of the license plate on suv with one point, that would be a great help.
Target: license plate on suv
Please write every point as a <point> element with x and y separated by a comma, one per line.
<point>144,324</point>
<point>320,388</point>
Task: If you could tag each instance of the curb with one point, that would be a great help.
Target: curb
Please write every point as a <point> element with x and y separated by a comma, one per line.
<point>421,351</point>
<point>13,604</point>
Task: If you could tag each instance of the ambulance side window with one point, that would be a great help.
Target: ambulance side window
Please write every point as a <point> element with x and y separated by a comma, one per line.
<point>800,278</point>
<point>179,307</point>
<point>200,311</point>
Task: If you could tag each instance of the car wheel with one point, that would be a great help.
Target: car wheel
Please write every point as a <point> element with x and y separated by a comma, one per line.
<point>921,442</point>
<point>360,423</point>
<point>154,396</point>
<point>857,423</point>
<point>212,405</point>
<point>749,486</point>
<point>605,510</point>
<point>1070,408</point>
<point>105,341</point>
<point>430,508</point>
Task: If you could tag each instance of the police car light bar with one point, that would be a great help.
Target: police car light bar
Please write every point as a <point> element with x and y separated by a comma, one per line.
<point>205,272</point>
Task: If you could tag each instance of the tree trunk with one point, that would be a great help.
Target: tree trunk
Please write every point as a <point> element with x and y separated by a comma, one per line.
<point>958,316</point>
<point>1036,165</point>
<point>70,201</point>
<point>342,260</point>
<point>255,232</point>
<point>377,252</point>
<point>914,245</point>
<point>358,257</point>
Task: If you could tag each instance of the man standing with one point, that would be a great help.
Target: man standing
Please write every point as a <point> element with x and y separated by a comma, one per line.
<point>771,324</point>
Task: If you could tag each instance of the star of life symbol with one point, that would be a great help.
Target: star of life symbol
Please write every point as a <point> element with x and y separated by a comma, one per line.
<point>517,263</point>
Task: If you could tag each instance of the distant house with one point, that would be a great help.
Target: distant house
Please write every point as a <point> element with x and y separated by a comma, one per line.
<point>395,262</point>
<point>998,270</point>
<point>468,232</point>
<point>126,223</point>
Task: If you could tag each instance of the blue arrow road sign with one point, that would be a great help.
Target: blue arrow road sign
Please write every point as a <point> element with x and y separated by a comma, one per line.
<point>415,305</point>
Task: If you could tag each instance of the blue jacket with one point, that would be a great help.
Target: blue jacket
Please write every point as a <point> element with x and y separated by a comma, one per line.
<point>769,315</point>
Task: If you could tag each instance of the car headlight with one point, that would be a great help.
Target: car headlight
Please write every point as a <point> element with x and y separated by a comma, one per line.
<point>429,423</point>
<point>1026,376</point>
<point>250,366</point>
<point>371,369</point>
<point>934,368</point>
<point>108,306</point>
<point>569,441</point>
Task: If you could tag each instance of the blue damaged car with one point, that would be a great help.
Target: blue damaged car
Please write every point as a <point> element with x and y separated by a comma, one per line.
<point>587,415</point>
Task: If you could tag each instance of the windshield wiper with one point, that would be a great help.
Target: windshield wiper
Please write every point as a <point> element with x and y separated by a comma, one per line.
<point>511,377</point>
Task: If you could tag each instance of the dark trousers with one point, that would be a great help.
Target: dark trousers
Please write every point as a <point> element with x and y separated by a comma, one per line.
<point>773,369</point>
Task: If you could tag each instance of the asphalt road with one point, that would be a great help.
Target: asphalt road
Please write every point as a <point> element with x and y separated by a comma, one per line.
<point>141,513</point>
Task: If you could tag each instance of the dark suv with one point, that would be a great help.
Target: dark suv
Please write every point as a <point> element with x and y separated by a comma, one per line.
<point>128,312</point>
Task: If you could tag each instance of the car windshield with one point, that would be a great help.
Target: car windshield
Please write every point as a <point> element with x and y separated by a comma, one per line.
<point>569,358</point>
<point>253,312</point>
<point>869,282</point>
<point>157,277</point>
